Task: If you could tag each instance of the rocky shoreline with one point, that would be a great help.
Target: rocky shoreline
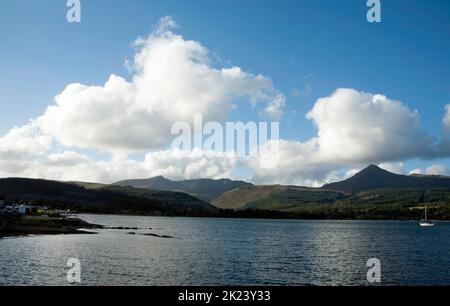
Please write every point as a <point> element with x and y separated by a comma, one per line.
<point>46,226</point>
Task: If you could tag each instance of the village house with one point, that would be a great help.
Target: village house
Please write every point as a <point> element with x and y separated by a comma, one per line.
<point>29,209</point>
<point>8,209</point>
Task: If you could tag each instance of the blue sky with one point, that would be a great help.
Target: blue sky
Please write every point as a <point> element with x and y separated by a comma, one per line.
<point>306,47</point>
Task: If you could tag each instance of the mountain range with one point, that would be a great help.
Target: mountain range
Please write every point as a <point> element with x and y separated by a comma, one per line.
<point>373,193</point>
<point>371,188</point>
<point>204,189</point>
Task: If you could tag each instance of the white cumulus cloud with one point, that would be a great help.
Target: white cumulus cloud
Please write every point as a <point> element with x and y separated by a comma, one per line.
<point>353,129</point>
<point>174,80</point>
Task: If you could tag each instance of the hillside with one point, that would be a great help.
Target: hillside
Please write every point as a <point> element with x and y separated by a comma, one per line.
<point>374,177</point>
<point>398,197</point>
<point>360,197</point>
<point>204,189</point>
<point>107,199</point>
<point>276,197</point>
<point>310,203</point>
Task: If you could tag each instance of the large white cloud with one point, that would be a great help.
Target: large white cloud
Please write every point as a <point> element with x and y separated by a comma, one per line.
<point>353,129</point>
<point>359,127</point>
<point>21,147</point>
<point>24,142</point>
<point>173,80</point>
<point>180,164</point>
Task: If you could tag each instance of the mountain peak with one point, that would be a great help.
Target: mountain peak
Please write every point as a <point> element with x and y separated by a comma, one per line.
<point>374,177</point>
<point>372,166</point>
<point>372,170</point>
<point>158,177</point>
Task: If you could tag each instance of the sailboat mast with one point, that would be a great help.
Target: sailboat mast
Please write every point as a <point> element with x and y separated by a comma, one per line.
<point>425,212</point>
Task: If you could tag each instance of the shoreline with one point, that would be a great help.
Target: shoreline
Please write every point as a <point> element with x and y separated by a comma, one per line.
<point>254,218</point>
<point>36,225</point>
<point>47,226</point>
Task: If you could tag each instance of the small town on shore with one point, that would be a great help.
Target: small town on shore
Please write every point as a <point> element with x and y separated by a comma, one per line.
<point>28,219</point>
<point>8,210</point>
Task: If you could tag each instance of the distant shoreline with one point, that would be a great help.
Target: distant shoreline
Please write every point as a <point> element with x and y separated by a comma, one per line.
<point>250,218</point>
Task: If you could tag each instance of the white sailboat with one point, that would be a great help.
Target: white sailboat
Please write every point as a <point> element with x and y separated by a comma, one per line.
<point>425,222</point>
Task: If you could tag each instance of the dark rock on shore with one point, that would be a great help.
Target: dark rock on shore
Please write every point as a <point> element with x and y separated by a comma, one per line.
<point>31,225</point>
<point>127,228</point>
<point>159,236</point>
